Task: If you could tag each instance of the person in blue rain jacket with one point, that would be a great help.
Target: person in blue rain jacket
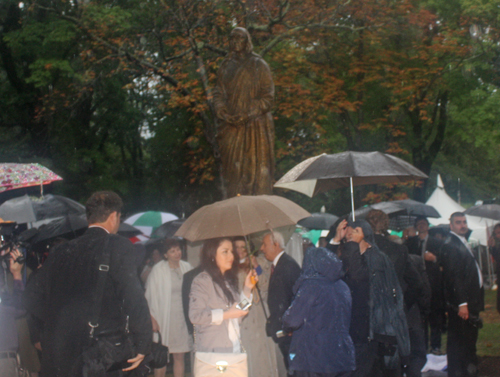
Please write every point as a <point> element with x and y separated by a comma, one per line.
<point>319,318</point>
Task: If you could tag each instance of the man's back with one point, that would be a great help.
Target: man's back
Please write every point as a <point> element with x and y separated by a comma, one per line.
<point>63,292</point>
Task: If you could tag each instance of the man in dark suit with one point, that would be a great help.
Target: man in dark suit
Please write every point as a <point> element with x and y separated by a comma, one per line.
<point>284,272</point>
<point>63,293</point>
<point>465,298</point>
<point>428,247</point>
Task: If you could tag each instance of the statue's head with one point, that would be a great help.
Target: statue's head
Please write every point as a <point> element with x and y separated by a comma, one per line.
<point>240,41</point>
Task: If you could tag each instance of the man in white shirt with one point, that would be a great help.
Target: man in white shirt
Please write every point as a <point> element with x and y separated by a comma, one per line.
<point>464,294</point>
<point>284,272</point>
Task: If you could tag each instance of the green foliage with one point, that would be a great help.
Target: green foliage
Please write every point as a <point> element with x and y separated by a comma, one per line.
<point>117,93</point>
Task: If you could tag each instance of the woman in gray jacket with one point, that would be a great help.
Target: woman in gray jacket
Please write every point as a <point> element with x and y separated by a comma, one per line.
<point>213,301</point>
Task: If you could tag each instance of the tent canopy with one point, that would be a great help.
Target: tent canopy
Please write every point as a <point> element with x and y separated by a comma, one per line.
<point>445,205</point>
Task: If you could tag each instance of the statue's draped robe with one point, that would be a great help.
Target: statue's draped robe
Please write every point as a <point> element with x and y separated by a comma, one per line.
<point>245,88</point>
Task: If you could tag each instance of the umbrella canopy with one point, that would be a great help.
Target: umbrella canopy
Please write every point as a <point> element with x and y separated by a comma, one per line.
<point>69,226</point>
<point>72,226</point>
<point>488,211</point>
<point>347,169</point>
<point>241,216</point>
<point>319,220</point>
<point>389,208</point>
<point>406,207</point>
<point>168,229</point>
<point>26,209</point>
<point>148,221</point>
<point>13,176</point>
<point>402,213</point>
<point>326,172</point>
<point>128,231</point>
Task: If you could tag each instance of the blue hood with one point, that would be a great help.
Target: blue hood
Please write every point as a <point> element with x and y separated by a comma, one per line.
<point>320,263</point>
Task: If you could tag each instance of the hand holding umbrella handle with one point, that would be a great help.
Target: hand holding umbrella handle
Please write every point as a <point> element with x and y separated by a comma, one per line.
<point>250,281</point>
<point>341,231</point>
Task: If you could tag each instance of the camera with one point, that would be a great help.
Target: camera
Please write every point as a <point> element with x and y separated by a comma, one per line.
<point>9,239</point>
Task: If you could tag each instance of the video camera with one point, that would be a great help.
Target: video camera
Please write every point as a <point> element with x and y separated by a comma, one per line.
<point>9,240</point>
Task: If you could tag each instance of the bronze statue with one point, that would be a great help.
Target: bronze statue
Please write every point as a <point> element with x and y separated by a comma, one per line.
<point>243,99</point>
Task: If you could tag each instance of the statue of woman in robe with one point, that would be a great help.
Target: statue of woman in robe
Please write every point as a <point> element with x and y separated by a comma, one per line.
<point>243,99</point>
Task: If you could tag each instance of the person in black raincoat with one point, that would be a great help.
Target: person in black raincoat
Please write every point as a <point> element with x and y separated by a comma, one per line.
<point>319,317</point>
<point>378,326</point>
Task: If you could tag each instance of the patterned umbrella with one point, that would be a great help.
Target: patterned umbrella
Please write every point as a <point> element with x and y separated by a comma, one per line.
<point>147,222</point>
<point>13,176</point>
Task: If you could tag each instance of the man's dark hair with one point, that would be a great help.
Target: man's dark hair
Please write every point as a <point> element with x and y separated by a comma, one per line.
<point>420,218</point>
<point>102,204</point>
<point>456,214</point>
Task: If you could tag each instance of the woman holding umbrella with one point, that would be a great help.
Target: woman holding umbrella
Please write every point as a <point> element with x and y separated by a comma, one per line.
<point>216,308</point>
<point>378,324</point>
<point>260,348</point>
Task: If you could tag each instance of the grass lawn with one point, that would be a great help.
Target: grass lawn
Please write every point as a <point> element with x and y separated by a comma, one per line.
<point>488,343</point>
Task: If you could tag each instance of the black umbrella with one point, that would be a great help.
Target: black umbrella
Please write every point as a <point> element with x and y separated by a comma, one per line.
<point>402,213</point>
<point>168,229</point>
<point>389,208</point>
<point>26,209</point>
<point>347,169</point>
<point>319,220</point>
<point>414,208</point>
<point>70,226</point>
<point>128,231</point>
<point>489,211</point>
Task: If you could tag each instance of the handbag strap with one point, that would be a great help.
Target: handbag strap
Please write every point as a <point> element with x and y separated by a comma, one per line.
<point>101,282</point>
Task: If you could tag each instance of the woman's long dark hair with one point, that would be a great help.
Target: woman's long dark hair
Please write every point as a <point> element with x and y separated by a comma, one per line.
<point>208,264</point>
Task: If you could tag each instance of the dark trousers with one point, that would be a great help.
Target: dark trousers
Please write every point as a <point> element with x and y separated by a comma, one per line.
<point>369,363</point>
<point>284,345</point>
<point>462,338</point>
<point>434,324</point>
<point>418,356</point>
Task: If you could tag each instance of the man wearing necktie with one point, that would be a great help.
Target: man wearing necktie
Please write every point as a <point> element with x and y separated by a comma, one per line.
<point>464,295</point>
<point>428,247</point>
<point>284,272</point>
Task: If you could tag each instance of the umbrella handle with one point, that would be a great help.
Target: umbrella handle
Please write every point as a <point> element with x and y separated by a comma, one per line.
<point>352,199</point>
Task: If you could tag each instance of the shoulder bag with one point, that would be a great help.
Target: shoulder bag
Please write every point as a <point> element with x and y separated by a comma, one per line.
<point>107,351</point>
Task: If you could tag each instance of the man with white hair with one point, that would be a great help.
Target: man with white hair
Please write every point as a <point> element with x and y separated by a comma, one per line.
<point>284,272</point>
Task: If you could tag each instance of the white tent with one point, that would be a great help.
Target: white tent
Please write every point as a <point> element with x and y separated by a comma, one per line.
<point>445,205</point>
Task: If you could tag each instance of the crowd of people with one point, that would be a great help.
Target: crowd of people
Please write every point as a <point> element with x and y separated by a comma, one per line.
<point>361,305</point>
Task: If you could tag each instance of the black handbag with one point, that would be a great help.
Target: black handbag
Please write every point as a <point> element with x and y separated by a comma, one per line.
<point>160,354</point>
<point>387,344</point>
<point>107,351</point>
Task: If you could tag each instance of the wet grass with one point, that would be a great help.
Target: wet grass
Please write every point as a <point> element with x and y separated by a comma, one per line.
<point>488,343</point>
<point>488,340</point>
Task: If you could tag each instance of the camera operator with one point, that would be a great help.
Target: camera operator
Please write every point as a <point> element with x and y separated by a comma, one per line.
<point>10,309</point>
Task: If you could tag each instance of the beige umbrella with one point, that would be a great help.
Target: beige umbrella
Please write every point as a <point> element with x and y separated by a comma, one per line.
<point>241,216</point>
